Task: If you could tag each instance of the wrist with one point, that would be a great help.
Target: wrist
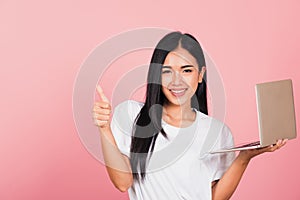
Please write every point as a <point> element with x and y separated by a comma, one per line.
<point>243,159</point>
<point>104,129</point>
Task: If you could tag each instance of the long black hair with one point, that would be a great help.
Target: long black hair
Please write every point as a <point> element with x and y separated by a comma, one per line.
<point>148,122</point>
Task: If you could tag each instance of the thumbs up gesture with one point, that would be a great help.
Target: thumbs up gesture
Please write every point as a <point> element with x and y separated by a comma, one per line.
<point>102,110</point>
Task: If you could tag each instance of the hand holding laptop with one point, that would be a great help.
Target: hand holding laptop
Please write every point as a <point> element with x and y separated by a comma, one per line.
<point>276,117</point>
<point>246,155</point>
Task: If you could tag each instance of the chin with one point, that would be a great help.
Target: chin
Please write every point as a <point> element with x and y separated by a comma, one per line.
<point>177,102</point>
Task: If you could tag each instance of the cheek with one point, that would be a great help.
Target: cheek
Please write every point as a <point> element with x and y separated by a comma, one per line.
<point>165,80</point>
<point>192,82</point>
<point>194,87</point>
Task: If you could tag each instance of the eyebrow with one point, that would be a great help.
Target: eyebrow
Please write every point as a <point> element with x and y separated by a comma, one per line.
<point>182,67</point>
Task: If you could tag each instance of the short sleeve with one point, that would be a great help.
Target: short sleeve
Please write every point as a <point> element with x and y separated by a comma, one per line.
<point>122,123</point>
<point>220,162</point>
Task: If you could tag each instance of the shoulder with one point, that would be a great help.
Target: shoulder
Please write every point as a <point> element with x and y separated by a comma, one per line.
<point>129,105</point>
<point>127,109</point>
<point>217,133</point>
<point>123,118</point>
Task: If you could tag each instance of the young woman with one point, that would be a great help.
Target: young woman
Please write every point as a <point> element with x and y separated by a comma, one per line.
<point>153,149</point>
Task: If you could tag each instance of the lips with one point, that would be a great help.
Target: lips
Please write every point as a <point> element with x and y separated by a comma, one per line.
<point>178,92</point>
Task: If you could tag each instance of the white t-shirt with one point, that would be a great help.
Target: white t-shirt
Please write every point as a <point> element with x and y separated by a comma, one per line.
<point>180,166</point>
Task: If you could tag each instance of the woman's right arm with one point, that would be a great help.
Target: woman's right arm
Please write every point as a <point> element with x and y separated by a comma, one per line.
<point>117,164</point>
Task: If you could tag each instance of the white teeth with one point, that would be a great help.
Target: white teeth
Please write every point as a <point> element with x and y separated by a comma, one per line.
<point>177,91</point>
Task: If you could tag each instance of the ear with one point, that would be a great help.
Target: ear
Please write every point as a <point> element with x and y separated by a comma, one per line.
<point>201,74</point>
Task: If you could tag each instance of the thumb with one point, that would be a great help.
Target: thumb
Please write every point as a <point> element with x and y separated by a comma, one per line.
<point>101,94</point>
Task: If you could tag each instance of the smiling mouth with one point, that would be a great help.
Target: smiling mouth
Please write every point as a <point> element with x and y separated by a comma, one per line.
<point>178,92</point>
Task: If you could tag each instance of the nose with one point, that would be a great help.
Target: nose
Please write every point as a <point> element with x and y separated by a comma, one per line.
<point>177,78</point>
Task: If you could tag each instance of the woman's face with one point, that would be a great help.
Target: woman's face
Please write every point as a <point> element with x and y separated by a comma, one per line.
<point>180,76</point>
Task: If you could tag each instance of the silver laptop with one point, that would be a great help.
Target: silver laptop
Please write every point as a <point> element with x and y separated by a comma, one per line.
<point>276,115</point>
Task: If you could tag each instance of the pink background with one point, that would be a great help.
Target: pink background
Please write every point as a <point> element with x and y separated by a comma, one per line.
<point>43,44</point>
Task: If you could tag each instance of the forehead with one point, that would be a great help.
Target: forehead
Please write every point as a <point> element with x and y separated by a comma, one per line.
<point>180,57</point>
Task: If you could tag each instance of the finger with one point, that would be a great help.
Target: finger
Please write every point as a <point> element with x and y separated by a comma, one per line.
<point>102,104</point>
<point>279,142</point>
<point>101,117</point>
<point>100,123</point>
<point>276,146</point>
<point>101,94</point>
<point>282,143</point>
<point>285,141</point>
<point>101,111</point>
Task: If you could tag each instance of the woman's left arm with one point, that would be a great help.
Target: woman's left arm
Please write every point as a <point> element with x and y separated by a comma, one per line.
<point>225,187</point>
